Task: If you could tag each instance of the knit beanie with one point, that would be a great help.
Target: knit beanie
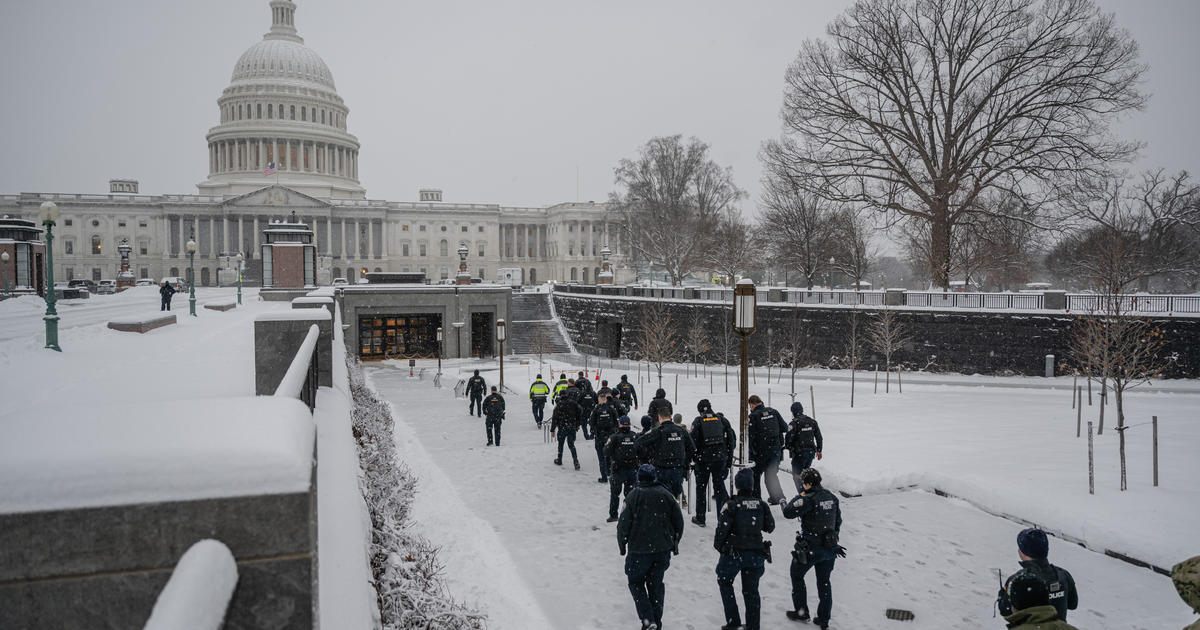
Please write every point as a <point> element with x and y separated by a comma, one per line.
<point>797,409</point>
<point>744,479</point>
<point>1033,543</point>
<point>647,474</point>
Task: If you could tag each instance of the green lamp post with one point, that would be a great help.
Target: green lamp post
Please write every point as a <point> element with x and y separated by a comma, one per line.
<point>191,250</point>
<point>48,215</point>
<point>239,259</point>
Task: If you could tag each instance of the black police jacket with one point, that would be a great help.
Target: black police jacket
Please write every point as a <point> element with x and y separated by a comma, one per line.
<point>714,438</point>
<point>476,385</point>
<point>651,521</point>
<point>803,434</point>
<point>742,522</point>
<point>603,421</point>
<point>767,429</point>
<point>621,450</point>
<point>493,406</point>
<point>565,415</point>
<point>667,446</point>
<point>1059,582</point>
<point>820,516</point>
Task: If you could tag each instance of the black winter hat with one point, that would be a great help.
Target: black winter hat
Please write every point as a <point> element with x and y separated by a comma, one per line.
<point>624,377</point>
<point>1033,543</point>
<point>539,377</point>
<point>703,405</point>
<point>623,421</point>
<point>744,479</point>
<point>810,476</point>
<point>476,372</point>
<point>660,393</point>
<point>647,422</point>
<point>797,409</point>
<point>647,473</point>
<point>1028,590</point>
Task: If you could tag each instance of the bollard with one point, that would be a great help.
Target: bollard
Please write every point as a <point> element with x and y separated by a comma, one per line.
<point>1049,366</point>
<point>876,378</point>
<point>1155,438</point>
<point>677,389</point>
<point>1091,463</point>
<point>1074,390</point>
<point>812,403</point>
<point>1078,410</point>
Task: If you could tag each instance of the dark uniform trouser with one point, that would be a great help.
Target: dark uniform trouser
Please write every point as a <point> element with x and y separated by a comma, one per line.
<point>767,472</point>
<point>600,456</point>
<point>672,478</point>
<point>751,565</point>
<point>583,418</point>
<point>568,436</point>
<point>645,572</point>
<point>539,410</point>
<point>822,560</point>
<point>620,482</point>
<point>799,463</point>
<point>476,401</point>
<point>493,425</point>
<point>166,304</point>
<point>718,472</point>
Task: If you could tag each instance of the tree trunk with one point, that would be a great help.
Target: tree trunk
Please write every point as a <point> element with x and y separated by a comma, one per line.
<point>1119,399</point>
<point>939,246</point>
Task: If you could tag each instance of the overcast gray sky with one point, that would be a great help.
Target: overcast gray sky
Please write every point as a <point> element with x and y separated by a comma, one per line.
<point>494,102</point>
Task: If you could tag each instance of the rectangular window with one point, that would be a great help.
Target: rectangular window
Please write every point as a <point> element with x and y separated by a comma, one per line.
<point>481,228</point>
<point>464,228</point>
<point>422,228</point>
<point>70,273</point>
<point>23,266</point>
<point>67,222</point>
<point>143,247</point>
<point>120,222</point>
<point>95,274</point>
<point>404,249</point>
<point>268,278</point>
<point>69,247</point>
<point>142,223</point>
<point>403,228</point>
<point>310,266</point>
<point>482,249</point>
<point>144,272</point>
<point>424,252</point>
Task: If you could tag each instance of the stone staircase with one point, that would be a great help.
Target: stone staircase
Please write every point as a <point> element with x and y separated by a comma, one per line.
<point>531,323</point>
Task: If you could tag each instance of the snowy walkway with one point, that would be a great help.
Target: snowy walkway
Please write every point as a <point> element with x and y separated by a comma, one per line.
<point>526,540</point>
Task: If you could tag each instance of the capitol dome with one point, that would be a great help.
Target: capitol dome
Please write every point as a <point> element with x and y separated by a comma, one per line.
<point>282,121</point>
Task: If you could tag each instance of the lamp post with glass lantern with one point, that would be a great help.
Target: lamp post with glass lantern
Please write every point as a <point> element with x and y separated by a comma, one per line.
<point>4,258</point>
<point>501,335</point>
<point>745,303</point>
<point>439,350</point>
<point>239,258</point>
<point>48,216</point>
<point>191,250</point>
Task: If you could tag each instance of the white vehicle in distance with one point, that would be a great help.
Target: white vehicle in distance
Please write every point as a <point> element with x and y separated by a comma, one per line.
<point>340,282</point>
<point>107,286</point>
<point>145,282</point>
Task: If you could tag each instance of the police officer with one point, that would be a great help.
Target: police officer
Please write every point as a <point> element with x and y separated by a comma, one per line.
<point>816,546</point>
<point>560,386</point>
<point>648,532</point>
<point>621,451</point>
<point>767,429</point>
<point>715,442</point>
<point>603,421</point>
<point>660,398</point>
<point>670,448</point>
<point>586,400</point>
<point>493,408</point>
<point>538,393</point>
<point>1033,548</point>
<point>739,540</point>
<point>803,440</point>
<point>563,424</point>
<point>476,387</point>
<point>627,393</point>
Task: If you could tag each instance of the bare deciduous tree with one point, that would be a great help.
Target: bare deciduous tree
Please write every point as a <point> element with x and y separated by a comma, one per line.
<point>917,107</point>
<point>854,341</point>
<point>887,335</point>
<point>798,226</point>
<point>699,339</point>
<point>795,344</point>
<point>657,342</point>
<point>672,196</point>
<point>539,342</point>
<point>855,255</point>
<point>732,251</point>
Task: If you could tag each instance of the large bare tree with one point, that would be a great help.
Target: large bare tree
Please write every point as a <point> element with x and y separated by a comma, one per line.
<point>673,196</point>
<point>732,250</point>
<point>855,255</point>
<point>887,335</point>
<point>798,226</point>
<point>917,107</point>
<point>656,338</point>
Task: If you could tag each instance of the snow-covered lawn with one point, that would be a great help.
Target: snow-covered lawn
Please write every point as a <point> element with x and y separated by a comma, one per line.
<point>518,529</point>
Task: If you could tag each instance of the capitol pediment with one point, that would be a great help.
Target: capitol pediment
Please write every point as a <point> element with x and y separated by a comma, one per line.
<point>275,196</point>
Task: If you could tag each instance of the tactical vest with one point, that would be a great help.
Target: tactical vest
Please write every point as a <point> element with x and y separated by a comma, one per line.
<point>770,437</point>
<point>747,520</point>
<point>712,439</point>
<point>672,450</point>
<point>820,523</point>
<point>606,422</point>
<point>625,390</point>
<point>625,451</point>
<point>804,437</point>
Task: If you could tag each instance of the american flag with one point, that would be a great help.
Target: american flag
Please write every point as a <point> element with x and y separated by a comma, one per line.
<point>270,170</point>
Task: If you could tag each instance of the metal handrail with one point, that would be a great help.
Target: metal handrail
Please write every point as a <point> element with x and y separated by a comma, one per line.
<point>300,380</point>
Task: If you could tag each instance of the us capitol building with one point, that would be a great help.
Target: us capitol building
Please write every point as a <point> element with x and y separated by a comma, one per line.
<point>281,107</point>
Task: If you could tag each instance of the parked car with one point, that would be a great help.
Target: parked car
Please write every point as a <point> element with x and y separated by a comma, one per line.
<point>107,286</point>
<point>146,282</point>
<point>340,282</point>
<point>82,283</point>
<point>175,281</point>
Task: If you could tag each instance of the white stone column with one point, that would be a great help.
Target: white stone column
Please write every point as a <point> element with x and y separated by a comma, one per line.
<point>343,241</point>
<point>287,154</point>
<point>383,239</point>
<point>257,249</point>
<point>241,234</point>
<point>370,239</point>
<point>212,236</point>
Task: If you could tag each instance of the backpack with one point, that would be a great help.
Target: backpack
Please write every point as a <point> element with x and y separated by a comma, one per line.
<point>672,451</point>
<point>712,438</point>
<point>623,389</point>
<point>625,451</point>
<point>770,438</point>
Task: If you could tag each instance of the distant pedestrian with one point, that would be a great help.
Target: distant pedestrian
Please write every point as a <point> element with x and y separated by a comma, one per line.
<point>603,421</point>
<point>166,292</point>
<point>563,424</point>
<point>670,449</point>
<point>739,540</point>
<point>766,428</point>
<point>627,393</point>
<point>539,391</point>
<point>715,442</point>
<point>621,451</point>
<point>816,546</point>
<point>1033,548</point>
<point>560,386</point>
<point>648,532</point>
<point>476,387</point>
<point>586,400</point>
<point>804,441</point>
<point>1031,608</point>
<point>493,408</point>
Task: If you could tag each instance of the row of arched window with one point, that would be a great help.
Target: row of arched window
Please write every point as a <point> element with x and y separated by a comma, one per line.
<point>271,111</point>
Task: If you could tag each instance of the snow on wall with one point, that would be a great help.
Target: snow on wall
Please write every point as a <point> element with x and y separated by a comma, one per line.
<point>198,591</point>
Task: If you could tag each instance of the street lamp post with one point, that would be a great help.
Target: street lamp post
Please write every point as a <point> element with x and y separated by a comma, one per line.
<point>4,258</point>
<point>744,307</point>
<point>501,335</point>
<point>439,350</point>
<point>48,215</point>
<point>191,250</point>
<point>239,258</point>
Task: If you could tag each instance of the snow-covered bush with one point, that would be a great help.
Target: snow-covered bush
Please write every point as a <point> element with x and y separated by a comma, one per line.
<point>407,573</point>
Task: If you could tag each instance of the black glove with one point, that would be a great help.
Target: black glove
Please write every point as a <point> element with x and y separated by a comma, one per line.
<point>840,550</point>
<point>1003,603</point>
<point>675,549</point>
<point>622,550</point>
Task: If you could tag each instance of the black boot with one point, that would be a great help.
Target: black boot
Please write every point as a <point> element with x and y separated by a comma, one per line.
<point>611,519</point>
<point>699,521</point>
<point>577,464</point>
<point>800,615</point>
<point>558,461</point>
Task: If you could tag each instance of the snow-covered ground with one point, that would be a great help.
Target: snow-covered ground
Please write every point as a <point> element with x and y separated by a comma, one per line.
<point>517,528</point>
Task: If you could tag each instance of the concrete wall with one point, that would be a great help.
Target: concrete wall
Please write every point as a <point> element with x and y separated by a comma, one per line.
<point>452,303</point>
<point>277,338</point>
<point>102,568</point>
<point>958,341</point>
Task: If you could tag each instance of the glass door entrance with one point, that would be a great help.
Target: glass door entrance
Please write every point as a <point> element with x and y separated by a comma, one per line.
<point>398,336</point>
